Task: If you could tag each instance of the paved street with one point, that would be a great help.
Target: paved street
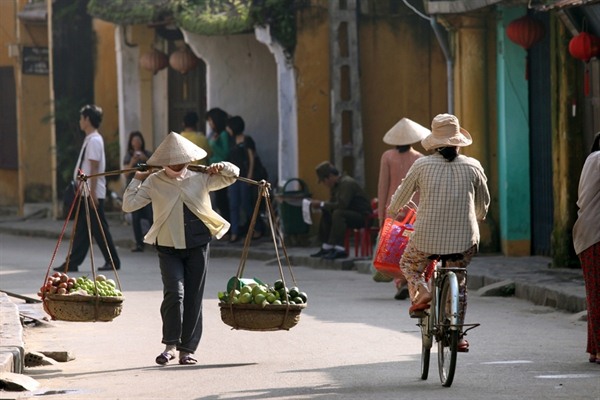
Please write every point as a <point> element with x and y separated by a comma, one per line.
<point>352,342</point>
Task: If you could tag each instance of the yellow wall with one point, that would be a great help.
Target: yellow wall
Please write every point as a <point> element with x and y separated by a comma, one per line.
<point>33,121</point>
<point>403,74</point>
<point>105,82</point>
<point>143,37</point>
<point>106,96</point>
<point>311,60</point>
<point>8,178</point>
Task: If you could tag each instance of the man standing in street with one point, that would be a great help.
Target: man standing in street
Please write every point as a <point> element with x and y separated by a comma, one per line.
<point>91,161</point>
<point>348,207</point>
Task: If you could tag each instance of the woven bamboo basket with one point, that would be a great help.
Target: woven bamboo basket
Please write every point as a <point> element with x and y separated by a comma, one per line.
<point>81,308</point>
<point>255,317</point>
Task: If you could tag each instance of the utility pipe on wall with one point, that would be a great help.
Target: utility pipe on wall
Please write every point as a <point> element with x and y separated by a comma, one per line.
<point>442,40</point>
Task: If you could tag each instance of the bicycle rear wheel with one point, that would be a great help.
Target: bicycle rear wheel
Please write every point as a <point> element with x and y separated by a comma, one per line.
<point>448,334</point>
<point>426,341</point>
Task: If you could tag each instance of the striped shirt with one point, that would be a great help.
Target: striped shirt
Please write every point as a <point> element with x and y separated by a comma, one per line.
<point>454,196</point>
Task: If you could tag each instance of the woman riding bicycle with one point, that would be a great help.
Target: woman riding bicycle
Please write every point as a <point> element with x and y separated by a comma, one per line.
<point>453,197</point>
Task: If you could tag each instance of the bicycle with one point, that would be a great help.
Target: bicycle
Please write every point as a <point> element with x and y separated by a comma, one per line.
<point>441,321</point>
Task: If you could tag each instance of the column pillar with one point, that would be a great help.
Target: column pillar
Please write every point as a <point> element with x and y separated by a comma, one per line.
<point>473,105</point>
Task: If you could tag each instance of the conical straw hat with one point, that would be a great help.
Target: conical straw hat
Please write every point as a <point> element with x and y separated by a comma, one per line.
<point>174,150</point>
<point>405,132</point>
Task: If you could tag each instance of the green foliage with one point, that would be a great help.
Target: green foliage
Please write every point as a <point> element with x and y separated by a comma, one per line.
<point>213,17</point>
<point>207,17</point>
<point>280,15</point>
<point>130,12</point>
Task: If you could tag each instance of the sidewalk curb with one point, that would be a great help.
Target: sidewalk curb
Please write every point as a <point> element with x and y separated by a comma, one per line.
<point>12,347</point>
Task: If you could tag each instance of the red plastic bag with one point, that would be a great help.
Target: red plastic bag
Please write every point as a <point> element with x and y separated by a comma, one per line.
<point>393,239</point>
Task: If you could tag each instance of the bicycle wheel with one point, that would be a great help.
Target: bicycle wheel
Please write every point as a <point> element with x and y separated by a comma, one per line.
<point>426,342</point>
<point>448,332</point>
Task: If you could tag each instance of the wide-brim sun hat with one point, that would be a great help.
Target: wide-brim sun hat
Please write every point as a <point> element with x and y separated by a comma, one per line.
<point>175,150</point>
<point>446,132</point>
<point>405,132</point>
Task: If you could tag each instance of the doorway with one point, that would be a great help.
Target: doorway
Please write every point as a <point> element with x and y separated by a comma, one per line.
<point>187,92</point>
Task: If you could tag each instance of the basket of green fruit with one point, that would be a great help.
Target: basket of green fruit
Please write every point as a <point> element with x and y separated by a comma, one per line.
<point>81,299</point>
<point>249,304</point>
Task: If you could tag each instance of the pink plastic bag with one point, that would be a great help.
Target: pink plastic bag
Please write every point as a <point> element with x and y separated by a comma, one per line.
<point>393,239</point>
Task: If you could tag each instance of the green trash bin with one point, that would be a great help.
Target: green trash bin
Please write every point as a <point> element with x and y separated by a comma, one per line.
<point>290,207</point>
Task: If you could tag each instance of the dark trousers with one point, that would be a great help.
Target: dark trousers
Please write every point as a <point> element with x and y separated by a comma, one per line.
<point>222,203</point>
<point>136,222</point>
<point>242,199</point>
<point>81,240</point>
<point>183,274</point>
<point>333,225</point>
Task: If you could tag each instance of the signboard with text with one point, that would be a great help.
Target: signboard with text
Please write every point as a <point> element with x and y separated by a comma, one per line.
<point>35,60</point>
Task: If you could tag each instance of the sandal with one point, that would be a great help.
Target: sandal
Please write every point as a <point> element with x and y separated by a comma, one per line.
<point>164,358</point>
<point>463,346</point>
<point>187,360</point>
<point>418,307</point>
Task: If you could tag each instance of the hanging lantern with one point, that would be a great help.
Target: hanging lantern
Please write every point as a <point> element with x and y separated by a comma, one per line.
<point>525,31</point>
<point>584,47</point>
<point>183,60</point>
<point>154,60</point>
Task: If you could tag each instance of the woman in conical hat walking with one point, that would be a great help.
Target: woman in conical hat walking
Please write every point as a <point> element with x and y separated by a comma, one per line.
<point>184,224</point>
<point>393,167</point>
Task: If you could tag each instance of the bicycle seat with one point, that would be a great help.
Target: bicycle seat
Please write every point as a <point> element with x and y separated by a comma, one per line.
<point>447,257</point>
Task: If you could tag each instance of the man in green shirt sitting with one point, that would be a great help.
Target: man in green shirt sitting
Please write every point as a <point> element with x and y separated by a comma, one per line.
<point>347,208</point>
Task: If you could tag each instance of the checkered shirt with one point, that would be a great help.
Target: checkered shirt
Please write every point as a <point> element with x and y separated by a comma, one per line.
<point>453,197</point>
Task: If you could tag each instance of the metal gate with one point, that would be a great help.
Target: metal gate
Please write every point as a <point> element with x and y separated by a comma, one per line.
<point>540,145</point>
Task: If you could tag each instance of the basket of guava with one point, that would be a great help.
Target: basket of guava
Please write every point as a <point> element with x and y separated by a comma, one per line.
<point>81,299</point>
<point>250,304</point>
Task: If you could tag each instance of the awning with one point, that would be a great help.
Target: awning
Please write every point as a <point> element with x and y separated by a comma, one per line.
<point>34,12</point>
<point>462,6</point>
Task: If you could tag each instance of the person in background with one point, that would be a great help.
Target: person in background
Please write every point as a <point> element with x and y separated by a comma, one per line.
<point>242,155</point>
<point>137,153</point>
<point>453,198</point>
<point>220,144</point>
<point>184,224</point>
<point>91,161</point>
<point>190,132</point>
<point>393,166</point>
<point>586,240</point>
<point>347,208</point>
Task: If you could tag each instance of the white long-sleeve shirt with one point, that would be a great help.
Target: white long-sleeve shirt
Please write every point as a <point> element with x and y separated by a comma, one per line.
<point>168,197</point>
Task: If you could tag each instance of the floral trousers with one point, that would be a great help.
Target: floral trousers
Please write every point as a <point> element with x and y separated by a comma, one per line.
<point>414,267</point>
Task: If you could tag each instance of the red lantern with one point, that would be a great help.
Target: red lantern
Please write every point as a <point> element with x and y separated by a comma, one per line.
<point>583,47</point>
<point>154,60</point>
<point>525,31</point>
<point>183,60</point>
